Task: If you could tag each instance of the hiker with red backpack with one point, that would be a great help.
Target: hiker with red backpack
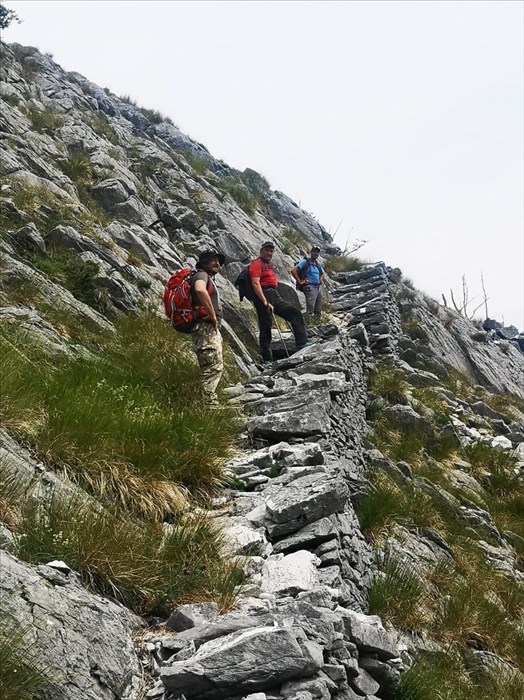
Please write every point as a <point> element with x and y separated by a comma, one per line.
<point>192,303</point>
<point>268,301</point>
<point>309,276</point>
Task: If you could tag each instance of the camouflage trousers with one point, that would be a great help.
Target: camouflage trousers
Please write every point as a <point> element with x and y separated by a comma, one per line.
<point>207,344</point>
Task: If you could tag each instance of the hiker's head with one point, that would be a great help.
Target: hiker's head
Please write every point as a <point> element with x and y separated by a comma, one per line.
<point>266,250</point>
<point>314,252</point>
<point>210,261</point>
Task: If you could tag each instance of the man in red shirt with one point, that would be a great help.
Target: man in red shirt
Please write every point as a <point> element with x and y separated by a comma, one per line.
<point>269,301</point>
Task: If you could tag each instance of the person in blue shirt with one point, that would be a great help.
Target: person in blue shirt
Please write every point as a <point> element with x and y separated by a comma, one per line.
<point>309,276</point>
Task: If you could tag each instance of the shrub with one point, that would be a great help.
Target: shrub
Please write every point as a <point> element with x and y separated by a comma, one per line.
<point>293,239</point>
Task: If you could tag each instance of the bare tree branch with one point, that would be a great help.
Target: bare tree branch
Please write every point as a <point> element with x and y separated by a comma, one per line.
<point>453,300</point>
<point>478,307</point>
<point>484,292</point>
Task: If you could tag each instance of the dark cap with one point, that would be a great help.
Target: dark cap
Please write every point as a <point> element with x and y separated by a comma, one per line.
<point>207,255</point>
<point>267,244</point>
<point>315,249</point>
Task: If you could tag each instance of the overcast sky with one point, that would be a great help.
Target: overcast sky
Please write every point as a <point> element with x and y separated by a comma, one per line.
<point>400,123</point>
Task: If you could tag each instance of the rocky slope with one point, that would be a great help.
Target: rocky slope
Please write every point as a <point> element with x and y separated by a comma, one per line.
<point>360,463</point>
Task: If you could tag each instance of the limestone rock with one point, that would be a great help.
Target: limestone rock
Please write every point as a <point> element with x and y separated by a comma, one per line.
<point>257,659</point>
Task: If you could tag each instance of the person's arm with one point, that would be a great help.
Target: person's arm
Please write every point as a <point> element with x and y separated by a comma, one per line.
<point>255,281</point>
<point>204,298</point>
<point>296,273</point>
<point>321,276</point>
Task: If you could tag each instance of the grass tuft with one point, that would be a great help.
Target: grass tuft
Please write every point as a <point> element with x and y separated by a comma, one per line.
<point>343,263</point>
<point>22,675</point>
<point>398,592</point>
<point>389,383</point>
<point>130,424</point>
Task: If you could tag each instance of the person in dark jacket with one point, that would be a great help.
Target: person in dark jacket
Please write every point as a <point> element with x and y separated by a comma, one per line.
<point>268,302</point>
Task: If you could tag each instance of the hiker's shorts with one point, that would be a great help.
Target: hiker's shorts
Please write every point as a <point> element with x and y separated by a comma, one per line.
<point>207,344</point>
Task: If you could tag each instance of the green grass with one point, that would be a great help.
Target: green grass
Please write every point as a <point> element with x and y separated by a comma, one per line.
<point>78,168</point>
<point>12,100</point>
<point>130,425</point>
<point>38,203</point>
<point>74,328</point>
<point>389,383</point>
<point>79,277</point>
<point>100,124</point>
<point>397,592</point>
<point>293,242</point>
<point>382,507</point>
<point>47,119</point>
<point>22,675</point>
<point>495,469</point>
<point>411,326</point>
<point>343,263</point>
<point>242,195</point>
<point>154,116</point>
<point>199,164</point>
<point>133,561</point>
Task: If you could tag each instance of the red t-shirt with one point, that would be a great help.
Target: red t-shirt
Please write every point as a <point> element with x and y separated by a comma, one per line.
<point>264,270</point>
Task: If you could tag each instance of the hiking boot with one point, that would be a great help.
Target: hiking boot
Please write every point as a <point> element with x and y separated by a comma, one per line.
<point>306,345</point>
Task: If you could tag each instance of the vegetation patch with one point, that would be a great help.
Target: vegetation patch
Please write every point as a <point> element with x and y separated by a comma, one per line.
<point>79,277</point>
<point>46,119</point>
<point>343,263</point>
<point>22,674</point>
<point>411,326</point>
<point>293,239</point>
<point>12,100</point>
<point>130,425</point>
<point>398,592</point>
<point>389,383</point>
<point>138,562</point>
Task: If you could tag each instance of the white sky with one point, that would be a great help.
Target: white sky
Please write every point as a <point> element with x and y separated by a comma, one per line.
<point>401,120</point>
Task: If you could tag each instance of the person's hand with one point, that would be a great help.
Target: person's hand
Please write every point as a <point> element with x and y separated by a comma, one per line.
<point>269,308</point>
<point>214,323</point>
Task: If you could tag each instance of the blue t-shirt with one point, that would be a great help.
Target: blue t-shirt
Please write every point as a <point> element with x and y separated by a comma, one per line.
<point>312,271</point>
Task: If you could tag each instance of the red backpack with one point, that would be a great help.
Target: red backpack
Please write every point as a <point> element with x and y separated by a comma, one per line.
<point>178,302</point>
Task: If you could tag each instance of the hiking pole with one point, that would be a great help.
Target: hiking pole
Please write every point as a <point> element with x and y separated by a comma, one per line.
<point>279,332</point>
